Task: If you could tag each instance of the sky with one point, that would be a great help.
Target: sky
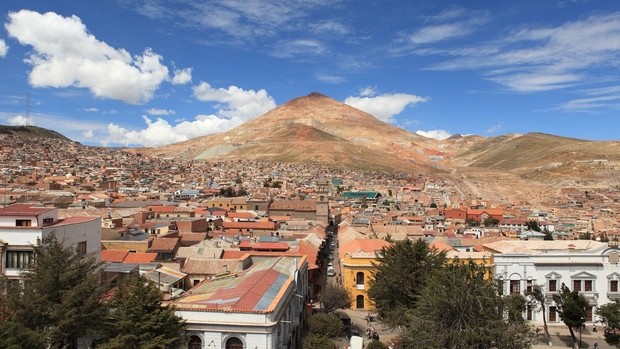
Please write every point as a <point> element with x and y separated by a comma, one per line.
<point>154,72</point>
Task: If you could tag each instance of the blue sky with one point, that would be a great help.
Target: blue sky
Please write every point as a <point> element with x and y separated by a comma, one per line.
<point>134,73</point>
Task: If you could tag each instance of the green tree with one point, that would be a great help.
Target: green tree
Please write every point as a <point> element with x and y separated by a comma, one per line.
<point>537,297</point>
<point>515,306</point>
<point>571,307</point>
<point>138,320</point>
<point>460,308</point>
<point>395,285</point>
<point>548,235</point>
<point>433,205</point>
<point>375,344</point>
<point>61,299</point>
<point>533,225</point>
<point>491,222</point>
<point>314,341</point>
<point>14,335</point>
<point>610,317</point>
<point>326,324</point>
<point>335,296</point>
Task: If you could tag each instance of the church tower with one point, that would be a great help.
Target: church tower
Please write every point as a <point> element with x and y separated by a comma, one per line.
<point>322,200</point>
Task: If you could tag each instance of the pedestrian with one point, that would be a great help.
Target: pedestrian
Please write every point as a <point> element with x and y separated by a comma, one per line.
<point>595,345</point>
<point>593,327</point>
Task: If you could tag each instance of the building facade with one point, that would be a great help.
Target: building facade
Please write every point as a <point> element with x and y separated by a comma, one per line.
<point>259,307</point>
<point>590,267</point>
<point>24,226</point>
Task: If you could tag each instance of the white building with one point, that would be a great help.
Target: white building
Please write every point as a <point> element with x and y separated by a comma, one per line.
<point>261,306</point>
<point>23,226</point>
<point>590,267</point>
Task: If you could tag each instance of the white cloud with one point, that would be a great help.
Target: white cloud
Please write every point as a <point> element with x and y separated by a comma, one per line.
<point>3,48</point>
<point>234,102</point>
<point>155,111</point>
<point>494,128</point>
<point>384,107</point>
<point>542,58</point>
<point>298,48</point>
<point>368,91</point>
<point>88,134</point>
<point>65,54</point>
<point>234,106</point>
<point>90,110</point>
<point>449,24</point>
<point>330,79</point>
<point>182,76</point>
<point>436,134</point>
<point>19,120</point>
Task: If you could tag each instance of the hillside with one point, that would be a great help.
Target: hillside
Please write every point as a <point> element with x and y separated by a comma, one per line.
<point>31,131</point>
<point>313,128</point>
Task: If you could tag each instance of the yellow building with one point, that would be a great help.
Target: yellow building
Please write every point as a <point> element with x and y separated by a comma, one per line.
<point>480,258</point>
<point>234,203</point>
<point>358,257</point>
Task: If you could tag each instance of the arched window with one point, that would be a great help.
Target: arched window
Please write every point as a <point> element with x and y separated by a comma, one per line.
<point>359,279</point>
<point>234,343</point>
<point>194,343</point>
<point>359,302</point>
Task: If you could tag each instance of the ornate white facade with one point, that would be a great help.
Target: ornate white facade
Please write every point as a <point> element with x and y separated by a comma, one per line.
<point>591,267</point>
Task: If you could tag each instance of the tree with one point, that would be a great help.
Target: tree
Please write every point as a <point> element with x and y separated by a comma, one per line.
<point>537,296</point>
<point>375,344</point>
<point>460,308</point>
<point>491,222</point>
<point>548,235</point>
<point>318,342</point>
<point>61,299</point>
<point>335,296</point>
<point>533,225</point>
<point>571,307</point>
<point>433,205</point>
<point>137,318</point>
<point>326,324</point>
<point>610,317</point>
<point>515,306</point>
<point>397,280</point>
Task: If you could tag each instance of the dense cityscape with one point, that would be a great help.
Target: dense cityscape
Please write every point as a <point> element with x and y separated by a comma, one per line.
<point>245,251</point>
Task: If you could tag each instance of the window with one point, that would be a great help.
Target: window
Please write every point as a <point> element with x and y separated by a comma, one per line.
<point>587,285</point>
<point>81,247</point>
<point>589,314</point>
<point>359,279</point>
<point>576,285</point>
<point>528,313</point>
<point>48,220</point>
<point>552,314</point>
<point>234,343</point>
<point>613,286</point>
<point>23,223</point>
<point>19,259</point>
<point>515,286</point>
<point>553,285</point>
<point>359,302</point>
<point>194,343</point>
<point>528,285</point>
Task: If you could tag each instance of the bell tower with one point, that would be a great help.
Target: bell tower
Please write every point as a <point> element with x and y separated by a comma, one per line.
<point>322,200</point>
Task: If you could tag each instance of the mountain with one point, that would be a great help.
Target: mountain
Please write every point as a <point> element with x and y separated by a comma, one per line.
<point>31,131</point>
<point>319,129</point>
<point>316,129</point>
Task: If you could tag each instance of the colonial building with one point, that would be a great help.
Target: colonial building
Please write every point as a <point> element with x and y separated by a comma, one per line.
<point>587,266</point>
<point>358,256</point>
<point>23,226</point>
<point>261,306</point>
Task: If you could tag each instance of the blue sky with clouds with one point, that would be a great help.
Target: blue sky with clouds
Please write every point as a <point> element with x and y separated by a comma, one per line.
<point>134,73</point>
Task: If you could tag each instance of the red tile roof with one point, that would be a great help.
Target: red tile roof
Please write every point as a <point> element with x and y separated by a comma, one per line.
<point>250,225</point>
<point>113,256</point>
<point>140,257</point>
<point>164,245</point>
